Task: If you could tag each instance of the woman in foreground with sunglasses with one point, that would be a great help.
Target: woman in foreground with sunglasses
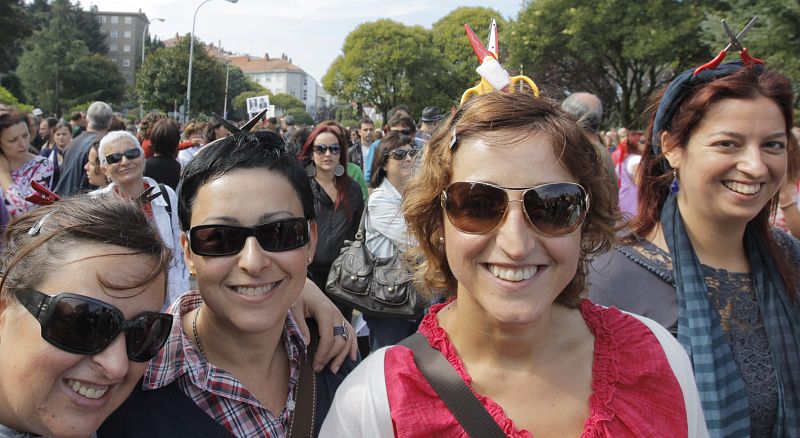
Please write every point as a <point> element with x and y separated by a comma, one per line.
<point>338,200</point>
<point>233,363</point>
<point>509,203</point>
<point>385,226</point>
<point>122,161</point>
<point>702,259</point>
<point>84,282</point>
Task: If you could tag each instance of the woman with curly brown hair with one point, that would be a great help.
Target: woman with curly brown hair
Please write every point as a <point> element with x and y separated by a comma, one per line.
<point>509,204</point>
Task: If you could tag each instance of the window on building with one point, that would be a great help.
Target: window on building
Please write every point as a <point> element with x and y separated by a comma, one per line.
<point>113,34</point>
<point>127,34</point>
<point>305,80</point>
<point>126,48</point>
<point>112,48</point>
<point>101,19</point>
<point>114,19</point>
<point>126,62</point>
<point>292,92</point>
<point>128,20</point>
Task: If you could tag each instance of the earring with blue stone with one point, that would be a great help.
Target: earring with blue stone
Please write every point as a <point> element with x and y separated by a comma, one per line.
<point>674,187</point>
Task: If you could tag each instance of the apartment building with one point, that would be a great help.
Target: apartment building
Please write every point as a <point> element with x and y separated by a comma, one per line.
<point>279,75</point>
<point>125,35</point>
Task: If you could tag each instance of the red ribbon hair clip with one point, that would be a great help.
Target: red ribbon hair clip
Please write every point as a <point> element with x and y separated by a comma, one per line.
<point>43,195</point>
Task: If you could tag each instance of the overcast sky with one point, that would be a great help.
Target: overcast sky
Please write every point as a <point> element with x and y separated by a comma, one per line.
<point>311,32</point>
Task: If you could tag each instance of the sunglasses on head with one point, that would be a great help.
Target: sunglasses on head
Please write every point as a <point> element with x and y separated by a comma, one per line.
<point>130,154</point>
<point>321,148</point>
<point>556,209</point>
<point>400,154</point>
<point>223,240</point>
<point>83,325</point>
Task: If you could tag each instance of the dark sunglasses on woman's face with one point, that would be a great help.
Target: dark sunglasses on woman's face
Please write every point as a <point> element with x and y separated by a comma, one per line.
<point>130,154</point>
<point>84,325</point>
<point>224,240</point>
<point>556,209</point>
<point>321,148</point>
<point>400,154</point>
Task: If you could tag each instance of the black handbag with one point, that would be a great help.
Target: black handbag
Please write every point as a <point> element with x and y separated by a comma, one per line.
<point>375,286</point>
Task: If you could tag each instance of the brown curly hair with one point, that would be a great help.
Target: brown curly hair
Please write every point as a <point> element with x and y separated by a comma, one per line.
<point>519,115</point>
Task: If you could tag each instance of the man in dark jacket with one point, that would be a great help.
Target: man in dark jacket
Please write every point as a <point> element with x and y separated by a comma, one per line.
<point>73,176</point>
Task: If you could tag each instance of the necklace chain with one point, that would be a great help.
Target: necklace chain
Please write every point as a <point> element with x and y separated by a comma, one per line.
<point>196,336</point>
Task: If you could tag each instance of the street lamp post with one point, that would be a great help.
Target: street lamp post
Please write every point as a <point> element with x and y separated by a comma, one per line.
<point>144,34</point>
<point>191,55</point>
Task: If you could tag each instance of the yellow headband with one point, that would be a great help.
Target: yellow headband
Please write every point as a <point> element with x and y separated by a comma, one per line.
<point>493,75</point>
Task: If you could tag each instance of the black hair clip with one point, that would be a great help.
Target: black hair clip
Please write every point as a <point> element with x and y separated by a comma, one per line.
<point>233,129</point>
<point>147,196</point>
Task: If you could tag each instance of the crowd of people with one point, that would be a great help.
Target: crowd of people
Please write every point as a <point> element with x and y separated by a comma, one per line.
<point>577,282</point>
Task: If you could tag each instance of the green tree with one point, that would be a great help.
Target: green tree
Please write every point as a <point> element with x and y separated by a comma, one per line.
<point>620,50</point>
<point>775,38</point>
<point>301,117</point>
<point>286,102</point>
<point>238,83</point>
<point>57,69</point>
<point>93,77</point>
<point>388,63</point>
<point>7,98</point>
<point>451,41</point>
<point>14,29</point>
<point>161,82</point>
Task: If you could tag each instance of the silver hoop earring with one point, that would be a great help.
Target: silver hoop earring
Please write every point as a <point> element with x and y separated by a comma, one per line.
<point>311,170</point>
<point>338,170</point>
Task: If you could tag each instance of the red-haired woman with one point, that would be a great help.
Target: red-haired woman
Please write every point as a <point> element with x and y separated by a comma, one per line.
<point>702,259</point>
<point>337,199</point>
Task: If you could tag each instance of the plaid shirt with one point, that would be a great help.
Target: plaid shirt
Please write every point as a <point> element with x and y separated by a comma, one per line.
<point>216,391</point>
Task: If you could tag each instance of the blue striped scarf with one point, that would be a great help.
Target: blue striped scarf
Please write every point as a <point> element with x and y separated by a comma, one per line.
<point>722,391</point>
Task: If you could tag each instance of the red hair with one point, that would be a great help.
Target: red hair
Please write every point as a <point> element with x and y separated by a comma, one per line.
<point>340,182</point>
<point>745,83</point>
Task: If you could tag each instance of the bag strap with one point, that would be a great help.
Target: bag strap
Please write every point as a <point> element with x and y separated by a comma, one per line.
<point>458,397</point>
<point>165,195</point>
<point>361,233</point>
<point>302,420</point>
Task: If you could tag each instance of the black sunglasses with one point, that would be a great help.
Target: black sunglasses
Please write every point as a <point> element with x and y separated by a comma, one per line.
<point>224,240</point>
<point>130,154</point>
<point>321,148</point>
<point>556,209</point>
<point>83,325</point>
<point>400,154</point>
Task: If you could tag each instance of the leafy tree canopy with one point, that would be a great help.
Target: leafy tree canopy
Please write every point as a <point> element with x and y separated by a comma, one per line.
<point>301,117</point>
<point>161,82</point>
<point>14,29</point>
<point>388,63</point>
<point>57,68</point>
<point>620,50</point>
<point>286,102</point>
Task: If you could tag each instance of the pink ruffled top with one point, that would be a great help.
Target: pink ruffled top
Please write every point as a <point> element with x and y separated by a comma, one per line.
<point>635,393</point>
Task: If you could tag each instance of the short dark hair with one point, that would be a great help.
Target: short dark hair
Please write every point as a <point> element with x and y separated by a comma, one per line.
<point>402,120</point>
<point>365,121</point>
<point>164,137</point>
<point>75,116</point>
<point>252,150</point>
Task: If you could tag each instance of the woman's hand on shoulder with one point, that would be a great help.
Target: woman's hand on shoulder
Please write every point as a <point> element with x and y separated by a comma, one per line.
<point>332,350</point>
